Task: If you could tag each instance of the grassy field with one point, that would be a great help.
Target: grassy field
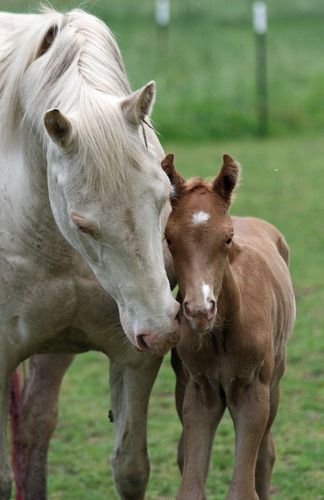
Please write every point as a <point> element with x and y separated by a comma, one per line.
<point>281,182</point>
<point>205,64</point>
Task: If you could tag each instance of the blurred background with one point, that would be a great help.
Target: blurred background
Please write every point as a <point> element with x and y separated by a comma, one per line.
<point>204,63</point>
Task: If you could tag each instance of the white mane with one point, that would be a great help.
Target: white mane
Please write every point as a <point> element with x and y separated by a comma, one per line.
<point>72,62</point>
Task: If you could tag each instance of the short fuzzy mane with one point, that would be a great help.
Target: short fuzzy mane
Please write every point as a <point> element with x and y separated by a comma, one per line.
<point>198,183</point>
<point>195,183</point>
<point>81,73</point>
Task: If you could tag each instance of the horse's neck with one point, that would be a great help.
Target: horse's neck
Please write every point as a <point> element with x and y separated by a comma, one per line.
<point>27,210</point>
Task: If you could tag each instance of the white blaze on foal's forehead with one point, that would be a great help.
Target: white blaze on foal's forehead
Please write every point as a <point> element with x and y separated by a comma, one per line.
<point>200,217</point>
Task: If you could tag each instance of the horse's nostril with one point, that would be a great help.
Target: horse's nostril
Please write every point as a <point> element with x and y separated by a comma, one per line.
<point>141,343</point>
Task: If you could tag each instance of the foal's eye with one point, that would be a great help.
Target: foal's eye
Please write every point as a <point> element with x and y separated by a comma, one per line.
<point>228,242</point>
<point>168,241</point>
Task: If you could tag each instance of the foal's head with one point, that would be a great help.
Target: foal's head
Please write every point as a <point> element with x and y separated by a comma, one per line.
<point>199,233</point>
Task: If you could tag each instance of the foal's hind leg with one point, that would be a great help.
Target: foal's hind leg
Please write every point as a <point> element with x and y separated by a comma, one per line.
<point>266,455</point>
<point>132,376</point>
<point>38,420</point>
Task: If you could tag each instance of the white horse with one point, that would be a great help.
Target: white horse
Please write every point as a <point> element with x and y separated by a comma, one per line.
<point>84,204</point>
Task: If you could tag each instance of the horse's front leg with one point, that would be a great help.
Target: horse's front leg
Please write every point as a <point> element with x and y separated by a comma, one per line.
<point>6,372</point>
<point>249,408</point>
<point>5,469</point>
<point>130,387</point>
<point>203,408</point>
<point>39,408</point>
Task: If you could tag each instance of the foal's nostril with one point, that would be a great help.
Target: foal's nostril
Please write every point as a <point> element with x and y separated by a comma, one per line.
<point>212,306</point>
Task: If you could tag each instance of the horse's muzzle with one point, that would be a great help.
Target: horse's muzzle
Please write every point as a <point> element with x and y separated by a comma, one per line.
<point>150,342</point>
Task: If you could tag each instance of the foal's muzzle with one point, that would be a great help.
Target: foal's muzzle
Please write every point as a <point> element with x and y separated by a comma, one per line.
<point>200,319</point>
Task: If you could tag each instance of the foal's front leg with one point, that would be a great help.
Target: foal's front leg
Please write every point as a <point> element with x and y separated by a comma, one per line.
<point>38,420</point>
<point>249,408</point>
<point>203,408</point>
<point>180,388</point>
<point>131,380</point>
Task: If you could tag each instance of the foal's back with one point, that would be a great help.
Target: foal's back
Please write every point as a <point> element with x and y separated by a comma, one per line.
<point>262,235</point>
<point>261,263</point>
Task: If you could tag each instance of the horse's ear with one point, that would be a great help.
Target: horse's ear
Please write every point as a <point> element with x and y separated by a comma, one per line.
<point>176,179</point>
<point>227,179</point>
<point>48,40</point>
<point>58,127</point>
<point>139,104</point>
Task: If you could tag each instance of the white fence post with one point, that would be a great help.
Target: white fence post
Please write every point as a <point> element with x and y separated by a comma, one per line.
<point>162,13</point>
<point>260,25</point>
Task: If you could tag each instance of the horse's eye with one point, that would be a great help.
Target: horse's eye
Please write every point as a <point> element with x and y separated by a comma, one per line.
<point>168,241</point>
<point>82,229</point>
<point>228,242</point>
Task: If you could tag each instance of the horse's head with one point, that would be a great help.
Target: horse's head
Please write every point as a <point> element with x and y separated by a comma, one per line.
<point>199,233</point>
<point>110,199</point>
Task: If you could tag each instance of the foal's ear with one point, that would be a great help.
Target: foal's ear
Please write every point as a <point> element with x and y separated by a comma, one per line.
<point>58,127</point>
<point>176,179</point>
<point>227,179</point>
<point>139,104</point>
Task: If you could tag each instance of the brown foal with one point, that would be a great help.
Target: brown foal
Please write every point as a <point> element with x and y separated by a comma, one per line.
<point>238,309</point>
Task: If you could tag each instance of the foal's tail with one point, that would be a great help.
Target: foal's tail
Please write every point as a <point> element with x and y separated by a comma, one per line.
<point>15,417</point>
<point>283,248</point>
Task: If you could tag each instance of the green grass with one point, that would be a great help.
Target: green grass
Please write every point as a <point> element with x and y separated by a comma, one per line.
<point>281,182</point>
<point>205,64</point>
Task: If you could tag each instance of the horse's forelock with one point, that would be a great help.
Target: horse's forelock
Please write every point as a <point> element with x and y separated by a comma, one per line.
<point>107,146</point>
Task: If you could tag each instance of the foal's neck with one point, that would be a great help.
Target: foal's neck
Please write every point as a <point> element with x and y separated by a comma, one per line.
<point>230,296</point>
